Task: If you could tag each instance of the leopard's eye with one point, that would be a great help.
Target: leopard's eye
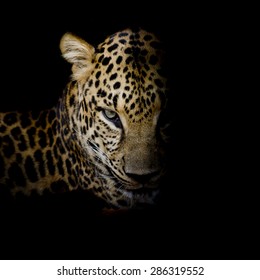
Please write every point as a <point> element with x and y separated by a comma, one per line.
<point>110,114</point>
<point>113,117</point>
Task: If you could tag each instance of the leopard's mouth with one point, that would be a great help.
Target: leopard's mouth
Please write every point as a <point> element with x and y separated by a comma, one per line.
<point>141,195</point>
<point>135,185</point>
<point>138,193</point>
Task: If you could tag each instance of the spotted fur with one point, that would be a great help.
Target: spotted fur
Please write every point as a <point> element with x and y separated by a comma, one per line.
<point>104,136</point>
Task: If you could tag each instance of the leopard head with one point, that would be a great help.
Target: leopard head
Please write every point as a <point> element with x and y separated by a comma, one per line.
<point>116,101</point>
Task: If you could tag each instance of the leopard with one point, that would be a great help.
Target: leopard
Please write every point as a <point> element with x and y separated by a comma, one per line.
<point>106,134</point>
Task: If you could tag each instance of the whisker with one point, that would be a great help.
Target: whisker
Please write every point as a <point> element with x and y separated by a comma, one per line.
<point>100,154</point>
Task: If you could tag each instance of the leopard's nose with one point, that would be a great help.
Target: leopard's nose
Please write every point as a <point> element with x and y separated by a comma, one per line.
<point>143,178</point>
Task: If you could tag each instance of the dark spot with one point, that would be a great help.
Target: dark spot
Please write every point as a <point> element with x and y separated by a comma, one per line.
<point>16,132</point>
<point>54,127</point>
<point>98,74</point>
<point>73,158</point>
<point>109,68</point>
<point>30,169</point>
<point>50,135</point>
<point>96,134</point>
<point>113,77</point>
<point>2,128</point>
<point>101,58</point>
<point>16,174</point>
<point>86,121</point>
<point>148,37</point>
<point>132,106</point>
<point>85,107</point>
<point>42,138</point>
<point>101,93</point>
<point>31,133</point>
<point>22,144</point>
<point>106,60</point>
<point>25,120</point>
<point>38,157</point>
<point>72,100</point>
<point>123,34</point>
<point>146,67</point>
<point>115,100</point>
<point>128,50</point>
<point>68,166</point>
<point>60,167</point>
<point>8,146</point>
<point>60,146</point>
<point>143,59</point>
<point>144,52</point>
<point>129,59</point>
<point>117,85</point>
<point>136,52</point>
<point>119,59</point>
<point>122,41</point>
<point>97,84</point>
<point>90,83</point>
<point>113,47</point>
<point>55,151</point>
<point>51,166</point>
<point>153,97</point>
<point>93,100</point>
<point>19,158</point>
<point>10,118</point>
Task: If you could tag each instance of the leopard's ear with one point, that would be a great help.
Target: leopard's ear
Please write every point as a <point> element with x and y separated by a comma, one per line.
<point>79,53</point>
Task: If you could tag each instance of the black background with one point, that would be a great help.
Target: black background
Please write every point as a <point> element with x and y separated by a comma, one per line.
<point>208,210</point>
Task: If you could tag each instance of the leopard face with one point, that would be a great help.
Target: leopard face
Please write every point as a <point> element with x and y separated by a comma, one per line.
<point>115,103</point>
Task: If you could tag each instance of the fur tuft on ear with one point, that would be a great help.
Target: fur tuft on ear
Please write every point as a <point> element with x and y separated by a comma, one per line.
<point>79,53</point>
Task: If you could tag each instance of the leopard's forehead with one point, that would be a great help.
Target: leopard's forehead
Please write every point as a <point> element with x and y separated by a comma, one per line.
<point>131,42</point>
<point>128,73</point>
